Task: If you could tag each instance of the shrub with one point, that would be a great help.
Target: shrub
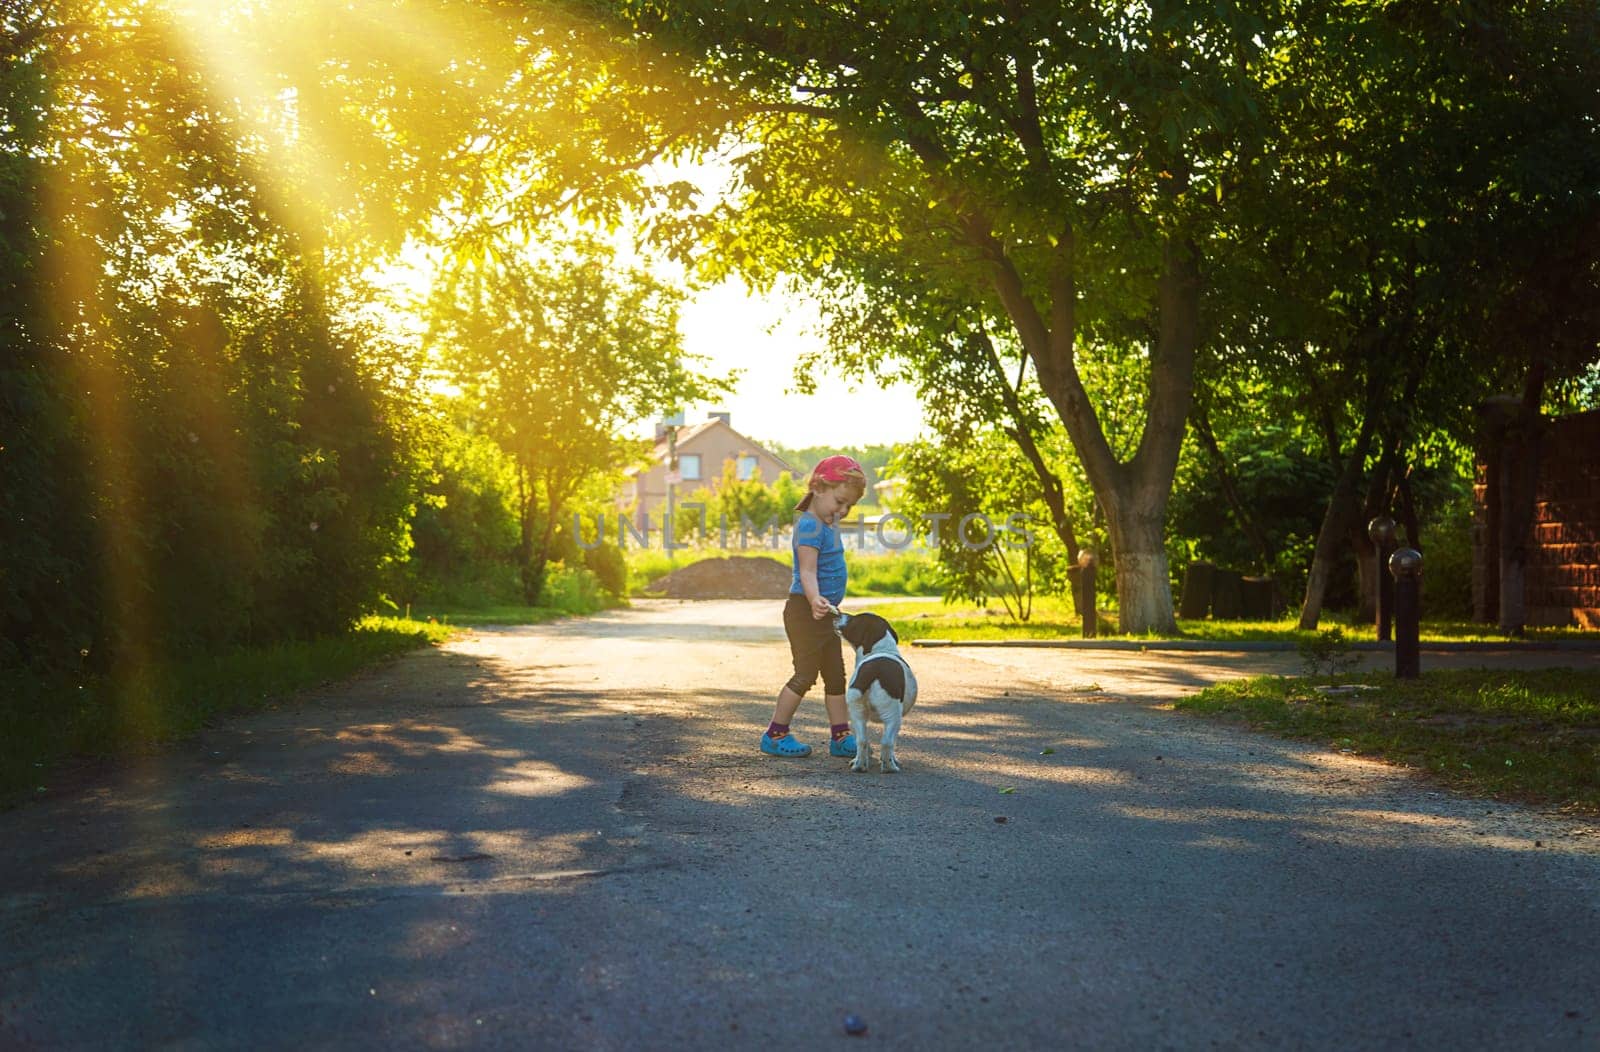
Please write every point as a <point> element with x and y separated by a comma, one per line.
<point>1447,563</point>
<point>572,590</point>
<point>1327,653</point>
<point>609,566</point>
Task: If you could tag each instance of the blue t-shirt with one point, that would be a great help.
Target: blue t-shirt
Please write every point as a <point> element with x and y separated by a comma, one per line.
<point>814,533</point>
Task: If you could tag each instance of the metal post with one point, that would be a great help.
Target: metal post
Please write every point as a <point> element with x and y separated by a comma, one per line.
<point>669,526</point>
<point>1381,531</point>
<point>1406,566</point>
<point>1086,593</point>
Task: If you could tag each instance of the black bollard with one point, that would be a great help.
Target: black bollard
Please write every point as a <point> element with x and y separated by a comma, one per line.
<point>1086,593</point>
<point>1406,566</point>
<point>1381,531</point>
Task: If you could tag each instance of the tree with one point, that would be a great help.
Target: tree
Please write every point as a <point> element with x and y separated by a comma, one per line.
<point>1430,151</point>
<point>980,474</point>
<point>561,349</point>
<point>205,446</point>
<point>1057,169</point>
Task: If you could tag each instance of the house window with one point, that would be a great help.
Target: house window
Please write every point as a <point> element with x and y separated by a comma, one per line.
<point>747,467</point>
<point>689,466</point>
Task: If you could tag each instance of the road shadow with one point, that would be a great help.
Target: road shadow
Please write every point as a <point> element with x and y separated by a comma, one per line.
<point>577,838</point>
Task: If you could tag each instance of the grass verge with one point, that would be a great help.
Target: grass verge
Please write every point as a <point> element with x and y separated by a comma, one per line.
<point>47,719</point>
<point>1053,618</point>
<point>495,614</point>
<point>1524,735</point>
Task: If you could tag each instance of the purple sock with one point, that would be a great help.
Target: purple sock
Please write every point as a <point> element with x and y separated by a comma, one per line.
<point>840,730</point>
<point>777,730</point>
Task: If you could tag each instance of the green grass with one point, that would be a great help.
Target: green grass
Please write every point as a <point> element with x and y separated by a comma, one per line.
<point>1521,735</point>
<point>1053,618</point>
<point>47,719</point>
<point>468,616</point>
<point>896,574</point>
<point>649,564</point>
<point>568,591</point>
<point>892,574</point>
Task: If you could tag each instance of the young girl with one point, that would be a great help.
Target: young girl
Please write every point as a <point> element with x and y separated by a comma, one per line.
<point>818,586</point>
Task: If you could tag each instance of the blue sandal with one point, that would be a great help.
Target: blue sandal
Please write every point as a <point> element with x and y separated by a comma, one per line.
<point>845,746</point>
<point>784,746</point>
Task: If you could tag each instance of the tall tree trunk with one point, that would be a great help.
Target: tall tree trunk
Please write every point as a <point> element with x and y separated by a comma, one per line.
<point>1408,510</point>
<point>1144,584</point>
<point>1022,434</point>
<point>1343,514</point>
<point>1380,490</point>
<point>1341,507</point>
<point>1134,494</point>
<point>530,568</point>
<point>1368,573</point>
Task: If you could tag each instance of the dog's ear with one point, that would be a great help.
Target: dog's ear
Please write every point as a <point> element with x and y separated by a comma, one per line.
<point>864,630</point>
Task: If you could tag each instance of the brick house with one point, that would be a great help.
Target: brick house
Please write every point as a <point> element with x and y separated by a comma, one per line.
<point>1554,564</point>
<point>703,450</point>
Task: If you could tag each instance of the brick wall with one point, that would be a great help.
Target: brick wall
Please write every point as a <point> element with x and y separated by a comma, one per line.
<point>1563,581</point>
<point>1564,560</point>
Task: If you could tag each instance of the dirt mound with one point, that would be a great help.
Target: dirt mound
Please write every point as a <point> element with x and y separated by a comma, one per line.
<point>738,577</point>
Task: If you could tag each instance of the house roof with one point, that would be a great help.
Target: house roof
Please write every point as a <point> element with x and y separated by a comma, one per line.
<point>687,435</point>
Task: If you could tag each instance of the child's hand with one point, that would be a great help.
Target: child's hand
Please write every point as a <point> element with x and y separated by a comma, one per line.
<point>820,607</point>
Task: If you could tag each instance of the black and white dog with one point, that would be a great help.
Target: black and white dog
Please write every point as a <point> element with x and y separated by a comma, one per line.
<point>882,680</point>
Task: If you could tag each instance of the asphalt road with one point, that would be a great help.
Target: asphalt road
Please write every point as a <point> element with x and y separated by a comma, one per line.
<point>564,837</point>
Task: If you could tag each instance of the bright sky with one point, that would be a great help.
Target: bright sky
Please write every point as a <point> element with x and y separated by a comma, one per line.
<point>762,336</point>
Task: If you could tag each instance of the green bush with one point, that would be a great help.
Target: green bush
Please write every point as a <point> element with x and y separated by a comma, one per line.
<point>1447,563</point>
<point>479,584</point>
<point>572,590</point>
<point>609,566</point>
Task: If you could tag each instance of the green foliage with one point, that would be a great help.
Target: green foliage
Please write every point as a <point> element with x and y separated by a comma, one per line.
<point>574,590</point>
<point>464,532</point>
<point>560,348</point>
<point>699,517</point>
<point>610,568</point>
<point>205,446</point>
<point>874,460</point>
<point>1283,487</point>
<point>981,475</point>
<point>1447,562</point>
<point>208,437</point>
<point>1365,205</point>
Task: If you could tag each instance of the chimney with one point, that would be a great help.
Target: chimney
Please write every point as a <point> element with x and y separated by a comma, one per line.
<point>726,418</point>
